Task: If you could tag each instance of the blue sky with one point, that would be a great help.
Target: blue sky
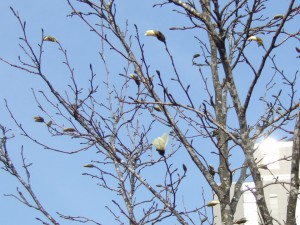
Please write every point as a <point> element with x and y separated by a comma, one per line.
<point>57,178</point>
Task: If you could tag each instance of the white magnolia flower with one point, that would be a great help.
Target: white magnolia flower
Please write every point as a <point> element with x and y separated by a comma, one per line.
<point>257,39</point>
<point>159,35</point>
<point>161,143</point>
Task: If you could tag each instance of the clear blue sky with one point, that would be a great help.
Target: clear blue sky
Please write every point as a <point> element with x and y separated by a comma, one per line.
<point>57,178</point>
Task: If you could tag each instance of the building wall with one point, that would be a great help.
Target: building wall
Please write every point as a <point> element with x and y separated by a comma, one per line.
<point>277,157</point>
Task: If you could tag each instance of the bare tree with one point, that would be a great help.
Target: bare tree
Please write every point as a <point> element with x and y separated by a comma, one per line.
<point>116,117</point>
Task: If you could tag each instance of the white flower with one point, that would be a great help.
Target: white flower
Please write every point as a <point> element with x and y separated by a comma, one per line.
<point>159,35</point>
<point>257,39</point>
<point>161,143</point>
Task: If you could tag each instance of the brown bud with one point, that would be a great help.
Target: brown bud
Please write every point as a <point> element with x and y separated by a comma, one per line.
<point>69,129</point>
<point>157,108</point>
<point>50,38</point>
<point>89,165</point>
<point>38,119</point>
<point>49,123</point>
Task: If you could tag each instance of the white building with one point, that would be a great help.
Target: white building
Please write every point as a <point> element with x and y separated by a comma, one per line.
<point>277,156</point>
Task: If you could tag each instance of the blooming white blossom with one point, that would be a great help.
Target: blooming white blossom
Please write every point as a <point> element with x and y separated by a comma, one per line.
<point>161,143</point>
<point>257,39</point>
<point>159,35</point>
